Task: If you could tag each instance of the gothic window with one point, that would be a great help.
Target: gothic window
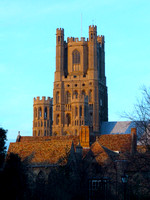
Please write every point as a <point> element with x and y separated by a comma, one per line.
<point>68,119</point>
<point>83,93</point>
<point>39,133</point>
<point>90,95</point>
<point>41,178</point>
<point>45,113</point>
<point>45,133</point>
<point>50,113</point>
<point>80,111</point>
<point>76,57</point>
<point>35,112</point>
<point>76,111</point>
<point>68,97</point>
<point>40,112</point>
<point>57,119</point>
<point>76,132</point>
<point>75,94</point>
<point>57,97</point>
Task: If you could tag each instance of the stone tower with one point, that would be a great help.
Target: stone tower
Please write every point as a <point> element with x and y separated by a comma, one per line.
<point>80,91</point>
<point>42,116</point>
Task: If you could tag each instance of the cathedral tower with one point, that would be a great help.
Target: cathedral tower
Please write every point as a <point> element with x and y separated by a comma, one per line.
<point>80,91</point>
<point>42,116</point>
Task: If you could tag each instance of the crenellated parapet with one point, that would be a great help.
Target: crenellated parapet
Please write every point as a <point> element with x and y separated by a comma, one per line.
<point>43,100</point>
<point>73,39</point>
<point>60,31</point>
<point>100,39</point>
<point>92,28</point>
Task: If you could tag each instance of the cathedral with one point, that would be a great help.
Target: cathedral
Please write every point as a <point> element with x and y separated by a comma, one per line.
<point>80,92</point>
<point>74,123</point>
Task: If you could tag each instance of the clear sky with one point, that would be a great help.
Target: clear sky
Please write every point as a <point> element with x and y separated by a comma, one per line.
<point>27,52</point>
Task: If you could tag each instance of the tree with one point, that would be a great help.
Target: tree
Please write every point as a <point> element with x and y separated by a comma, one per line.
<point>141,117</point>
<point>14,178</point>
<point>2,145</point>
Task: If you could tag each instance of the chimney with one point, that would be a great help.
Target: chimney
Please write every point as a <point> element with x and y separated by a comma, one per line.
<point>85,137</point>
<point>133,140</point>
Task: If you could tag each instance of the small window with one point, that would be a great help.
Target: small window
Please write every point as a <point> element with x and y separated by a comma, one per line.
<point>58,38</point>
<point>75,85</point>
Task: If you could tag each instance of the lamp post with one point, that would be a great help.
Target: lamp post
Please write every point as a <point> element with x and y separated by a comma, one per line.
<point>124,179</point>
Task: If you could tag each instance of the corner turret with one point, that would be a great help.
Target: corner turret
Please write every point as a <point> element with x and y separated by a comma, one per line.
<point>42,116</point>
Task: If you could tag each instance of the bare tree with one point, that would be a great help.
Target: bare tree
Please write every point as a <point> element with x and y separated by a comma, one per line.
<point>141,117</point>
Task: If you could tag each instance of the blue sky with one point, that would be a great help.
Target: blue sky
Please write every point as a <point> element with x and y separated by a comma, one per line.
<point>27,52</point>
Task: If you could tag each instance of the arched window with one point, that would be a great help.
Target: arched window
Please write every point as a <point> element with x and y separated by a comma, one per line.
<point>35,112</point>
<point>68,97</point>
<point>39,133</point>
<point>75,94</point>
<point>57,97</point>
<point>83,93</point>
<point>90,95</point>
<point>45,113</point>
<point>76,111</point>
<point>40,112</point>
<point>41,177</point>
<point>50,113</point>
<point>68,119</point>
<point>76,132</point>
<point>75,57</point>
<point>80,111</point>
<point>57,119</point>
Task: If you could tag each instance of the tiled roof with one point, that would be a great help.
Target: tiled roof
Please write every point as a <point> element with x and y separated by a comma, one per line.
<point>116,142</point>
<point>48,150</point>
<point>48,138</point>
<point>99,153</point>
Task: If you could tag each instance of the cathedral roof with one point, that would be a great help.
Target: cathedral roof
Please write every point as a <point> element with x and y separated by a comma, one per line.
<point>117,127</point>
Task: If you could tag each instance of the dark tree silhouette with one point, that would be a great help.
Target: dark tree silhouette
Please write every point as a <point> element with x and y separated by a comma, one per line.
<point>14,178</point>
<point>3,139</point>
